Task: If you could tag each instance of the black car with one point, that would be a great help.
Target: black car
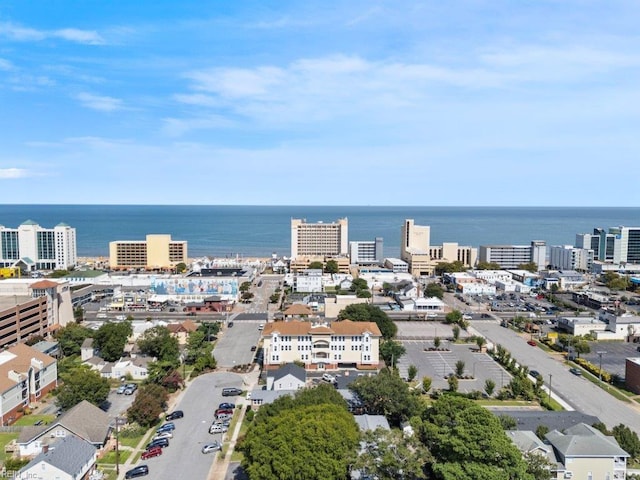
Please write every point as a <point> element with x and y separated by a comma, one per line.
<point>230,324</point>
<point>535,374</point>
<point>160,442</point>
<point>174,415</point>
<point>139,471</point>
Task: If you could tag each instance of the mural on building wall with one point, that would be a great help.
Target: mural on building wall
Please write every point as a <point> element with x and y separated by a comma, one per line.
<point>194,286</point>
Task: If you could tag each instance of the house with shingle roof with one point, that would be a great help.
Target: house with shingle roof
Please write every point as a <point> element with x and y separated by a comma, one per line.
<point>69,458</point>
<point>181,330</point>
<point>84,421</point>
<point>26,375</point>
<point>297,310</point>
<point>287,377</point>
<point>322,346</point>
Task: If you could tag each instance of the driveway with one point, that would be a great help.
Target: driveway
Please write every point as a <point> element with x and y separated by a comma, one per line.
<point>183,458</point>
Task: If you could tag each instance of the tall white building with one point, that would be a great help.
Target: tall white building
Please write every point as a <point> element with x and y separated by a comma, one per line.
<point>511,256</point>
<point>618,245</point>
<point>33,247</point>
<point>566,257</point>
<point>366,252</point>
<point>319,239</point>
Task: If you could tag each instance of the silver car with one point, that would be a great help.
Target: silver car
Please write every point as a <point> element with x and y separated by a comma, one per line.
<point>211,447</point>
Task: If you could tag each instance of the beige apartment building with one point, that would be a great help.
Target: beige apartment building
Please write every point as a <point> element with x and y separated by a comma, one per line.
<point>322,346</point>
<point>319,239</point>
<point>415,249</point>
<point>157,252</point>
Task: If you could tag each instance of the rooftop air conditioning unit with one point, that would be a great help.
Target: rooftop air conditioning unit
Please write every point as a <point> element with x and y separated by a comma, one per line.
<point>568,474</point>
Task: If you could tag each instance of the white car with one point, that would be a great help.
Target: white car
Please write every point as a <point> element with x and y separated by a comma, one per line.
<point>327,377</point>
<point>163,435</point>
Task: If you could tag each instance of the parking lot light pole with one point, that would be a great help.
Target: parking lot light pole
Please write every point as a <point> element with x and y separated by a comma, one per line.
<point>549,388</point>
<point>600,369</point>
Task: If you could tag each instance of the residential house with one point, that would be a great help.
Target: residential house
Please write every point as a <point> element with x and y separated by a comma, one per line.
<point>69,458</point>
<point>26,375</point>
<point>261,397</point>
<point>181,330</point>
<point>84,421</point>
<point>322,346</point>
<point>529,444</point>
<point>287,377</point>
<point>297,310</point>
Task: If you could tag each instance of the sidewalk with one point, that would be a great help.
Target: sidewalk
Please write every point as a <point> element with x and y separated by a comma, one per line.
<point>219,468</point>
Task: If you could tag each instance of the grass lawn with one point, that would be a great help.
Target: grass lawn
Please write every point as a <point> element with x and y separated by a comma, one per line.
<point>6,438</point>
<point>110,457</point>
<point>32,419</point>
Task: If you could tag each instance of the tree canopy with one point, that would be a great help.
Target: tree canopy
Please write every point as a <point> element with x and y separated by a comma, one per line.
<point>467,442</point>
<point>434,290</point>
<point>315,266</point>
<point>311,436</point>
<point>70,338</point>
<point>111,338</point>
<point>365,312</point>
<point>446,267</point>
<point>331,266</point>
<point>529,267</point>
<point>149,403</point>
<point>159,343</point>
<point>81,383</point>
<point>482,265</point>
<point>387,394</point>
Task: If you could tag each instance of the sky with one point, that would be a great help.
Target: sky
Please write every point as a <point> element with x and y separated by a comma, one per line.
<point>353,102</point>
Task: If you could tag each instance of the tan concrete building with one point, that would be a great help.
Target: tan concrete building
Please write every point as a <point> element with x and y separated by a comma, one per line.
<point>157,252</point>
<point>319,239</point>
<point>302,263</point>
<point>322,346</point>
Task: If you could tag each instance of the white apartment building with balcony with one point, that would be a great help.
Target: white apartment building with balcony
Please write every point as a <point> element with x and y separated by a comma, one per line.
<point>322,346</point>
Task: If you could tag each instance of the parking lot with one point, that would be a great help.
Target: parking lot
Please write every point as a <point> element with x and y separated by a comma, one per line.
<point>425,330</point>
<point>613,357</point>
<point>438,364</point>
<point>234,344</point>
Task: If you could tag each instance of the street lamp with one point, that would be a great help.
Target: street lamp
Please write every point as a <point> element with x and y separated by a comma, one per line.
<point>600,370</point>
<point>118,420</point>
<point>549,388</point>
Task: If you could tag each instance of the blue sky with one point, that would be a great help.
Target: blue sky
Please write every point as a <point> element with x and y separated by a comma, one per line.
<point>354,102</point>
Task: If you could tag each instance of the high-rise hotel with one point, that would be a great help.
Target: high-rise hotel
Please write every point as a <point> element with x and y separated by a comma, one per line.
<point>319,242</point>
<point>32,247</point>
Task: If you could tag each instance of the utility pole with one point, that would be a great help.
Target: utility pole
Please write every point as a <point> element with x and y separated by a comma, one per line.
<point>549,388</point>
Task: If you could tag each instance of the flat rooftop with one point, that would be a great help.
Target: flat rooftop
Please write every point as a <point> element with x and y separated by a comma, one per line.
<point>10,301</point>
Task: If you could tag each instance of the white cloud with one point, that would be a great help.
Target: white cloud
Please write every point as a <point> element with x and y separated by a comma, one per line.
<point>88,37</point>
<point>5,65</point>
<point>99,102</point>
<point>25,34</point>
<point>11,173</point>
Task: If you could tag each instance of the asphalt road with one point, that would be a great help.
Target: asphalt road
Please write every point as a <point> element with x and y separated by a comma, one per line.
<point>183,458</point>
<point>234,346</point>
<point>577,391</point>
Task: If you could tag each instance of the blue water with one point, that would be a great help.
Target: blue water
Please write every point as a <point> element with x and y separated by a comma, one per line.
<point>262,230</point>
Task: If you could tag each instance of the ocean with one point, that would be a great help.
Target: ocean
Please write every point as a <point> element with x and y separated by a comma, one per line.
<point>259,231</point>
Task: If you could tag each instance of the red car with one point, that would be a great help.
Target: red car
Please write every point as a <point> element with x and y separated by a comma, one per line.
<point>224,410</point>
<point>152,452</point>
<point>532,343</point>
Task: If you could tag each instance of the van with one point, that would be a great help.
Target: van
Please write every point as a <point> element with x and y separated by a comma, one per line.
<point>230,392</point>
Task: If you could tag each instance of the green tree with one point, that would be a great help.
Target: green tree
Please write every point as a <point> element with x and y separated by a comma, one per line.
<point>199,352</point>
<point>181,267</point>
<point>364,312</point>
<point>460,368</point>
<point>149,403</point>
<point>434,290</point>
<point>386,394</point>
<point>489,386</point>
<point>78,314</point>
<point>308,441</point>
<point>390,455</point>
<point>481,342</point>
<point>453,383</point>
<point>159,370</point>
<point>159,343</point>
<point>246,297</point>
<point>209,329</point>
<point>111,338</point>
<point>412,371</point>
<point>541,431</point>
<point>444,267</point>
<point>426,384</point>
<point>331,267</point>
<point>468,442</point>
<point>391,351</point>
<point>244,287</point>
<point>508,422</point>
<point>81,383</point>
<point>456,333</point>
<point>627,439</point>
<point>538,465</point>
<point>529,267</point>
<point>488,266</point>
<point>70,338</point>
<point>274,298</point>
<point>315,266</point>
<point>437,342</point>
<point>453,316</point>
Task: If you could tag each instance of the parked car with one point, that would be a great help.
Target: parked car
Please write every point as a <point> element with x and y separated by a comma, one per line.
<point>327,377</point>
<point>163,435</point>
<point>230,324</point>
<point>129,391</point>
<point>253,348</point>
<point>160,442</point>
<point>139,471</point>
<point>174,415</point>
<point>152,452</point>
<point>227,406</point>
<point>224,416</point>
<point>576,371</point>
<point>121,389</point>
<point>532,343</point>
<point>217,428</point>
<point>211,447</point>
<point>535,374</point>
<point>167,427</point>
<point>261,327</point>
<point>220,411</point>
<point>231,392</point>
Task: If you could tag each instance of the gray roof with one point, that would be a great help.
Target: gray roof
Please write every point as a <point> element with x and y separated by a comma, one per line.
<point>268,396</point>
<point>290,369</point>
<point>528,442</point>
<point>46,347</point>
<point>85,420</point>
<point>69,454</point>
<point>87,343</point>
<point>583,440</point>
<point>532,419</point>
<point>371,422</point>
